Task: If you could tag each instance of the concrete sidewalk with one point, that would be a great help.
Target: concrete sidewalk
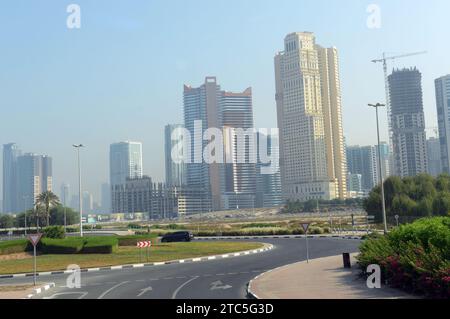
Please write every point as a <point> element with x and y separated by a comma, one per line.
<point>323,278</point>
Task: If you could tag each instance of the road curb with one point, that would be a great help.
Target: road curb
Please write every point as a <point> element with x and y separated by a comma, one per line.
<point>266,247</point>
<point>40,290</point>
<point>279,237</point>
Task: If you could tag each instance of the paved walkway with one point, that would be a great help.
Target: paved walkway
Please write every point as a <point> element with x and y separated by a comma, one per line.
<point>323,278</point>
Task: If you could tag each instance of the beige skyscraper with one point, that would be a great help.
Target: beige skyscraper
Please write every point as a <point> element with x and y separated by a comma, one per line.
<point>312,156</point>
<point>332,110</point>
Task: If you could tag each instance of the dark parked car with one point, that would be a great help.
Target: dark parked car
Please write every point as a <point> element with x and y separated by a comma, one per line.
<point>177,237</point>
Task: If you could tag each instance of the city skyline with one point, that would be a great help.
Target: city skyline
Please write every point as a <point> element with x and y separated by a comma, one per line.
<point>142,97</point>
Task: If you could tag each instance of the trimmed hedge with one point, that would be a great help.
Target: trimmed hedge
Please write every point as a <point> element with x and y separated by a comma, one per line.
<point>14,246</point>
<point>100,245</point>
<point>61,246</point>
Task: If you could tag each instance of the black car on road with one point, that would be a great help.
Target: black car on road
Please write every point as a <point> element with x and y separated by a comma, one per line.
<point>177,237</point>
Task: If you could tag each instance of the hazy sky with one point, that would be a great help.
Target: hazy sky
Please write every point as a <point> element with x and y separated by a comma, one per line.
<point>120,77</point>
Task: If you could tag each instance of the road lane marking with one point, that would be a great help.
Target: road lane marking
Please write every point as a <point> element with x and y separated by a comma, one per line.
<point>219,285</point>
<point>174,295</point>
<point>111,289</point>
<point>82,295</point>
<point>143,291</point>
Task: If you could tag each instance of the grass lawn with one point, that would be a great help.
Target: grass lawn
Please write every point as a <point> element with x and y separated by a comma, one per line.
<point>125,255</point>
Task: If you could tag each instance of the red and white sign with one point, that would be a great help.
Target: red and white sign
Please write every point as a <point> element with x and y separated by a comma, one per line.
<point>144,244</point>
<point>305,226</point>
<point>34,238</point>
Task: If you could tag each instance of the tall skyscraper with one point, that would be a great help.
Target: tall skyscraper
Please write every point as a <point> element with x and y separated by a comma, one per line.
<point>175,170</point>
<point>106,198</point>
<point>231,185</point>
<point>239,149</point>
<point>434,156</point>
<point>408,122</point>
<point>443,109</point>
<point>362,160</point>
<point>201,107</point>
<point>10,186</point>
<point>308,97</point>
<point>332,110</point>
<point>88,203</point>
<point>125,160</point>
<point>268,186</point>
<point>65,194</point>
<point>35,176</point>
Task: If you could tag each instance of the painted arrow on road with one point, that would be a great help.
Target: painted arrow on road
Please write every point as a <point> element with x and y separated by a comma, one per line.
<point>145,290</point>
<point>219,285</point>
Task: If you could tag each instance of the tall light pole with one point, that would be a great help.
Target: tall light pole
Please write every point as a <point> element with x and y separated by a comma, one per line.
<point>383,200</point>
<point>80,198</point>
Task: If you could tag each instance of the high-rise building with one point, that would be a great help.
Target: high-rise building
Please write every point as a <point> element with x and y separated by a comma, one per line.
<point>239,149</point>
<point>125,160</point>
<point>65,194</point>
<point>173,144</point>
<point>268,184</point>
<point>10,186</point>
<point>106,198</point>
<point>354,182</point>
<point>362,160</point>
<point>434,156</point>
<point>202,111</point>
<point>312,158</point>
<point>225,185</point>
<point>35,176</point>
<point>408,122</point>
<point>332,111</point>
<point>443,110</point>
<point>88,203</point>
<point>141,195</point>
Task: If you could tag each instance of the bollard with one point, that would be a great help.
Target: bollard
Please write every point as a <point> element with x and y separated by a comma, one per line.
<point>346,259</point>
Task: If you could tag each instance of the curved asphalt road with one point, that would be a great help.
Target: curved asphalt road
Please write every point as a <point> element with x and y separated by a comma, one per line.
<point>215,279</point>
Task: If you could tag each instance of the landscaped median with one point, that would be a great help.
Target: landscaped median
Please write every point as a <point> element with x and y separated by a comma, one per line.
<point>92,252</point>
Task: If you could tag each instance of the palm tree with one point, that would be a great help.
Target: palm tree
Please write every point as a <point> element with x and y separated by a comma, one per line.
<point>47,200</point>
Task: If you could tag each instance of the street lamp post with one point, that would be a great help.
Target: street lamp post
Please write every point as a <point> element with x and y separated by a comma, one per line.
<point>80,198</point>
<point>383,204</point>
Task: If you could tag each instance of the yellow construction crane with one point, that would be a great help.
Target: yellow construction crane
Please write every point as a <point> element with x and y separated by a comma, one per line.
<point>386,82</point>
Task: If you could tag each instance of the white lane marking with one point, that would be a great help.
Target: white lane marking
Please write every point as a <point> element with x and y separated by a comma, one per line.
<point>82,295</point>
<point>111,289</point>
<point>143,291</point>
<point>219,285</point>
<point>174,295</point>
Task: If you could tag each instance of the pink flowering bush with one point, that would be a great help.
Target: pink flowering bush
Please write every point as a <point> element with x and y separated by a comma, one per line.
<point>414,257</point>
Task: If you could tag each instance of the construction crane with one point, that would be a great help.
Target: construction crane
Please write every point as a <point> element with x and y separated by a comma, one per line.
<point>386,82</point>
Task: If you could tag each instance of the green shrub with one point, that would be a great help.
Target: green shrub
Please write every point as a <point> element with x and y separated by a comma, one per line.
<point>258,225</point>
<point>15,246</point>
<point>100,245</point>
<point>298,231</point>
<point>61,246</point>
<point>316,231</point>
<point>413,257</point>
<point>55,232</point>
